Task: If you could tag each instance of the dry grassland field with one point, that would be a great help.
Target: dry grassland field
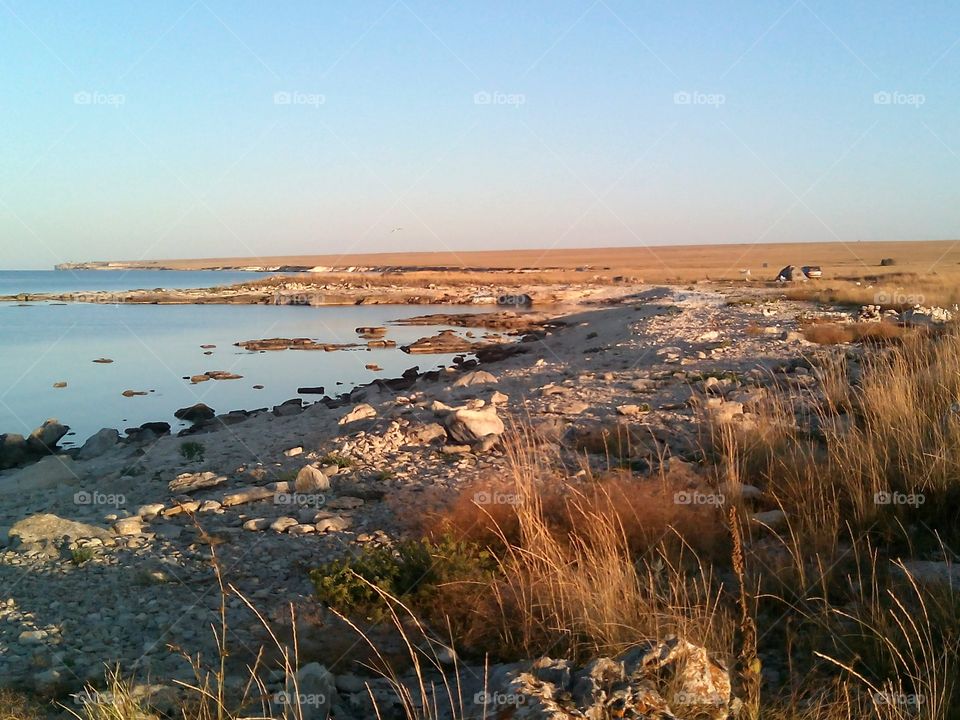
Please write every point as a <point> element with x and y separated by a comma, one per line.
<point>653,263</point>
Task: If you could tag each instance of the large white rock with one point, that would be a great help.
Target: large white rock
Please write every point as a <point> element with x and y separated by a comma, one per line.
<point>468,425</point>
<point>363,411</point>
<point>475,377</point>
<point>311,480</point>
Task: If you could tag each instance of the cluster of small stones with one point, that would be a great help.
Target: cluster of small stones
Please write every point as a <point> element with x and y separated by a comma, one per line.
<point>131,594</point>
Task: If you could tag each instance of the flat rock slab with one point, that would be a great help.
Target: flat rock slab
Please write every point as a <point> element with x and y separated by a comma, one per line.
<point>47,532</point>
<point>51,472</point>
<point>191,482</point>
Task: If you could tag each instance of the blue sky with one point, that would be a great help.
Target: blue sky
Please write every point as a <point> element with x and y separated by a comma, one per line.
<point>191,128</point>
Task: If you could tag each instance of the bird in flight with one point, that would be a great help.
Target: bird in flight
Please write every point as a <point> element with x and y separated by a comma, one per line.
<point>396,229</point>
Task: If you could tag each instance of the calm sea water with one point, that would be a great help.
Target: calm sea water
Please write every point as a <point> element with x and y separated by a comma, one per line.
<point>14,282</point>
<point>155,346</point>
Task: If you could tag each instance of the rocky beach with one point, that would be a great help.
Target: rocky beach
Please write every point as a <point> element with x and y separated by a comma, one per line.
<point>117,553</point>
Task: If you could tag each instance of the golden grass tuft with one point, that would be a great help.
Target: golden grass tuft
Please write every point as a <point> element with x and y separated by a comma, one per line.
<point>863,332</point>
<point>17,706</point>
<point>897,291</point>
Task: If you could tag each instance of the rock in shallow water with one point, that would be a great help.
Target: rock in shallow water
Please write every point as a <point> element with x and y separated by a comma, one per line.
<point>45,438</point>
<point>98,443</point>
<point>195,413</point>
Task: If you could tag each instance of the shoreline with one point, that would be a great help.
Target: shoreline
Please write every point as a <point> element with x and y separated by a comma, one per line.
<point>498,335</point>
<point>351,291</point>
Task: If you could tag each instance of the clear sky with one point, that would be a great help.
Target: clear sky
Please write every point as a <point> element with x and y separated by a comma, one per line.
<point>203,128</point>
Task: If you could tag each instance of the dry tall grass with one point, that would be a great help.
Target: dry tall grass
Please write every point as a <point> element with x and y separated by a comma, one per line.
<point>894,290</point>
<point>886,423</point>
<point>837,333</point>
<point>867,472</point>
<point>590,567</point>
<point>586,594</point>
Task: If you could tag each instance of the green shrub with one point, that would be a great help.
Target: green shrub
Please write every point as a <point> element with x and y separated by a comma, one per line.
<point>341,461</point>
<point>78,556</point>
<point>192,451</point>
<point>412,572</point>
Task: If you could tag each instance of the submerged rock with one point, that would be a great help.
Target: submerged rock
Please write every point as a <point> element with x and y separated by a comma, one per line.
<point>195,413</point>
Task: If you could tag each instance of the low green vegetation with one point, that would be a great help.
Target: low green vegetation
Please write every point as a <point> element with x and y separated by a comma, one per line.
<point>78,556</point>
<point>341,461</point>
<point>193,451</point>
<point>412,572</point>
